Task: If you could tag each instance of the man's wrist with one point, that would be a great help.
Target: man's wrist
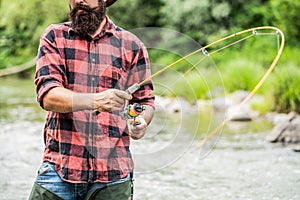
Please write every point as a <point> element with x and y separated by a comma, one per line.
<point>147,114</point>
<point>83,101</point>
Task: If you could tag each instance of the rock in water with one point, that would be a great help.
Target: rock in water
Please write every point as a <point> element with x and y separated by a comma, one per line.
<point>239,113</point>
<point>296,149</point>
<point>287,130</point>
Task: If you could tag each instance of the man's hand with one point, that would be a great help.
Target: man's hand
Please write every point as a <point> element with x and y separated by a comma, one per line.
<point>110,100</point>
<point>137,128</point>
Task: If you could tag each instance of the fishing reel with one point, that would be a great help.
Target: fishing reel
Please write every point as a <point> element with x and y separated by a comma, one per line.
<point>132,111</point>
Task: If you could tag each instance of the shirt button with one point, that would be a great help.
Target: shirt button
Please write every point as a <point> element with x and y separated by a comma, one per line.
<point>94,60</point>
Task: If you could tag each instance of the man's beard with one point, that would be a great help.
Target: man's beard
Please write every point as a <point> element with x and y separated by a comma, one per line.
<point>86,20</point>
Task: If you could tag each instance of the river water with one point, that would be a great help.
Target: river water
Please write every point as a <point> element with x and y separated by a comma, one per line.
<point>236,164</point>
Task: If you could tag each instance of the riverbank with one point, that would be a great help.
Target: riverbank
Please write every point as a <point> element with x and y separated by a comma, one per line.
<point>234,108</point>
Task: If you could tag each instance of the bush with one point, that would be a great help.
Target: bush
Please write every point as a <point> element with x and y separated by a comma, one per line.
<point>22,24</point>
<point>241,74</point>
<point>286,89</point>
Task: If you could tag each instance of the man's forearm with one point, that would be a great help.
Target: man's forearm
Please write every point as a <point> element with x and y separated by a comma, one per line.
<point>64,101</point>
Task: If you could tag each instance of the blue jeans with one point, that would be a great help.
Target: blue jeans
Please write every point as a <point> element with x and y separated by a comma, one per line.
<point>51,181</point>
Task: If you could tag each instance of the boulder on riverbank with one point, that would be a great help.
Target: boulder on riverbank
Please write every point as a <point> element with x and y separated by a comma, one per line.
<point>174,105</point>
<point>239,113</point>
<point>230,104</point>
<point>286,129</point>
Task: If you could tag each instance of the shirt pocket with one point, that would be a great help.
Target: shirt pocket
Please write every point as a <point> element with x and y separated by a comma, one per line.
<point>111,77</point>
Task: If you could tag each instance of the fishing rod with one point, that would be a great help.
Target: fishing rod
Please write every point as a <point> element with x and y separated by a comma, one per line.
<point>129,109</point>
<point>280,44</point>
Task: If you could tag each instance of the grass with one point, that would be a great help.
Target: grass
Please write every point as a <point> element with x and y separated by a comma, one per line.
<point>286,89</point>
<point>239,68</point>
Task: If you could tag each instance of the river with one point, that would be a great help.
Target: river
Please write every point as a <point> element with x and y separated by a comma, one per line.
<point>236,164</point>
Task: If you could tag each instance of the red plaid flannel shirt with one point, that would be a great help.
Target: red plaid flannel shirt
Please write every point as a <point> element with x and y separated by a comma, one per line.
<point>83,147</point>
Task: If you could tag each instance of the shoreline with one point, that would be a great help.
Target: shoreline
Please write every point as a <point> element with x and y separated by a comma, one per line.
<point>286,126</point>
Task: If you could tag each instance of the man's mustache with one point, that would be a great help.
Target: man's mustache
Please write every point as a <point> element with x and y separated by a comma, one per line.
<point>81,9</point>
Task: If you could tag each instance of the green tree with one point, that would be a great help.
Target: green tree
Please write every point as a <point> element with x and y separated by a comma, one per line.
<point>138,13</point>
<point>199,19</point>
<point>287,16</point>
<point>211,18</point>
<point>22,23</point>
<point>247,14</point>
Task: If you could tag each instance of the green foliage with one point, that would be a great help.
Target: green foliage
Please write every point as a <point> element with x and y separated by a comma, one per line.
<point>287,16</point>
<point>241,74</point>
<point>132,14</point>
<point>241,67</point>
<point>250,13</point>
<point>286,89</point>
<point>197,84</point>
<point>22,24</point>
<point>202,20</point>
<point>198,19</point>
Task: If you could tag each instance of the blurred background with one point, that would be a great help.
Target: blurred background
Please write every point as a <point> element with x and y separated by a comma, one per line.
<point>242,164</point>
<point>22,23</point>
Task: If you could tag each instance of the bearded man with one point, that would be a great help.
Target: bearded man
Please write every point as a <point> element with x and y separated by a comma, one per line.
<point>85,65</point>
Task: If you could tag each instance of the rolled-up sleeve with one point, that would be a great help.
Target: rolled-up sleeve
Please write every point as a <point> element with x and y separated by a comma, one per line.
<point>50,70</point>
<point>141,71</point>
